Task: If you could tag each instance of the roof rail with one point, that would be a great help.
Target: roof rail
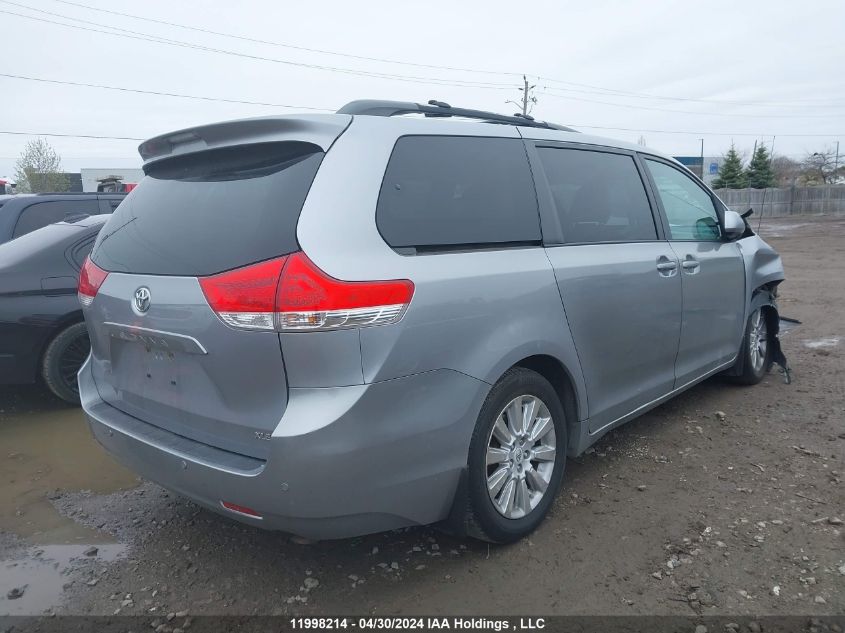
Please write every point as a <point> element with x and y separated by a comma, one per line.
<point>375,107</point>
<point>67,193</point>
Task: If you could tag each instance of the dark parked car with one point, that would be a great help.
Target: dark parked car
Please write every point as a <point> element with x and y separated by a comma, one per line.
<point>42,333</point>
<point>24,213</point>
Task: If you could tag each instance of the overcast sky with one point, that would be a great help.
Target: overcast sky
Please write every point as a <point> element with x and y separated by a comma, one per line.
<point>726,70</point>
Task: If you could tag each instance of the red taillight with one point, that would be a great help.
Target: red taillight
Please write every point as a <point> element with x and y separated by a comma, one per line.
<point>91,277</point>
<point>291,294</point>
<point>246,297</point>
<point>234,507</point>
<point>308,299</point>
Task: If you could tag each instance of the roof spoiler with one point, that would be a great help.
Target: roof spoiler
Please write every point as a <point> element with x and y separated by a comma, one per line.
<point>319,129</point>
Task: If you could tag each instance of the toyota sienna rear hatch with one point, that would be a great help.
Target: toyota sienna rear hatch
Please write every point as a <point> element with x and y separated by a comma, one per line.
<point>177,244</point>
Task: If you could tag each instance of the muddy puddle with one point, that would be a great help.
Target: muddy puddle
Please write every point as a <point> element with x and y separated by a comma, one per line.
<point>822,343</point>
<point>46,449</point>
<point>34,580</point>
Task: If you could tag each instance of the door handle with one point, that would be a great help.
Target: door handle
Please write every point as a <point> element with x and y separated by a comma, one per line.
<point>690,265</point>
<point>666,267</point>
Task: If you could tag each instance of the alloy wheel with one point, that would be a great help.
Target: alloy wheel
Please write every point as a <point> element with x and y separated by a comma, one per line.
<point>71,359</point>
<point>758,340</point>
<point>521,452</point>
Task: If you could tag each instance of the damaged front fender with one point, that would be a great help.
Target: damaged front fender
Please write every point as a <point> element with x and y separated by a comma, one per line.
<point>763,273</point>
<point>763,265</point>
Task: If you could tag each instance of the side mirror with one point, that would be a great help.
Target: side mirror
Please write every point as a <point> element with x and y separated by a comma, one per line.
<point>734,225</point>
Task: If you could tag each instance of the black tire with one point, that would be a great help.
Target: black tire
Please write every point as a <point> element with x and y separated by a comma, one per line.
<point>484,520</point>
<point>753,370</point>
<point>63,357</point>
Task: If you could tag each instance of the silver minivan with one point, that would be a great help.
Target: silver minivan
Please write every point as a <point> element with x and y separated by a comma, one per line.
<point>405,314</point>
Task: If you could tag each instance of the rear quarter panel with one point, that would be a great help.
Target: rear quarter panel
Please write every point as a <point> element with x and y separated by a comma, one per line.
<point>475,312</point>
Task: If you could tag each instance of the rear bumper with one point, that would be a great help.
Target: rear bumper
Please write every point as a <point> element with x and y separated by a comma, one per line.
<point>343,461</point>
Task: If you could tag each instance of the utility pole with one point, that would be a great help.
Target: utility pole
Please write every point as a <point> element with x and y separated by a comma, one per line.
<point>836,164</point>
<point>702,158</point>
<point>527,97</point>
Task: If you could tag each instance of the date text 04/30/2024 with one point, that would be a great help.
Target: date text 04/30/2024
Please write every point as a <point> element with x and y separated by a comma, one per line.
<point>419,623</point>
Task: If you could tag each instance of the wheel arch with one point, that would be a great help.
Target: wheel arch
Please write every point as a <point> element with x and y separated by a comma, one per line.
<point>561,379</point>
<point>62,323</point>
<point>764,298</point>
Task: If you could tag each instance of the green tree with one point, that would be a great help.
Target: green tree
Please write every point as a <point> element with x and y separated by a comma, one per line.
<point>39,169</point>
<point>731,175</point>
<point>760,173</point>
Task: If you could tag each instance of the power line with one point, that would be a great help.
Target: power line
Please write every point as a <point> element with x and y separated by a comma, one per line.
<point>644,95</point>
<point>286,45</point>
<point>146,37</point>
<point>66,157</point>
<point>407,78</point>
<point>160,94</point>
<point>110,138</point>
<point>588,127</point>
<point>224,100</point>
<point>640,107</point>
<point>421,65</point>
<point>640,130</point>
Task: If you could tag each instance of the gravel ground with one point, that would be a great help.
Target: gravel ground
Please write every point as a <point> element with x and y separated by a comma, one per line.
<point>726,500</point>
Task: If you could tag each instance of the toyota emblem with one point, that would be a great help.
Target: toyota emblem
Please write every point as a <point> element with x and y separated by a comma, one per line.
<point>142,299</point>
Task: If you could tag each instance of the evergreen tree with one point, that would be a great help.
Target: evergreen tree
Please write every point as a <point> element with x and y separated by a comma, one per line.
<point>760,173</point>
<point>731,174</point>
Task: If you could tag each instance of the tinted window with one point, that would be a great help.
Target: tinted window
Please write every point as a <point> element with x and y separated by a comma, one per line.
<point>688,207</point>
<point>36,216</point>
<point>212,211</point>
<point>80,251</point>
<point>450,190</point>
<point>599,197</point>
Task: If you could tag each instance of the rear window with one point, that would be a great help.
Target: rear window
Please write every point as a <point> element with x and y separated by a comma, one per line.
<point>211,211</point>
<point>453,191</point>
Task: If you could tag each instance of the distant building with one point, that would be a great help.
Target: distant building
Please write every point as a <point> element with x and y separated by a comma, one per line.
<point>693,163</point>
<point>93,176</point>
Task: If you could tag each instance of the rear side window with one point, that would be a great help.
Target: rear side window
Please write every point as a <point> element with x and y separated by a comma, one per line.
<point>453,191</point>
<point>39,215</point>
<point>79,251</point>
<point>211,211</point>
<point>598,196</point>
